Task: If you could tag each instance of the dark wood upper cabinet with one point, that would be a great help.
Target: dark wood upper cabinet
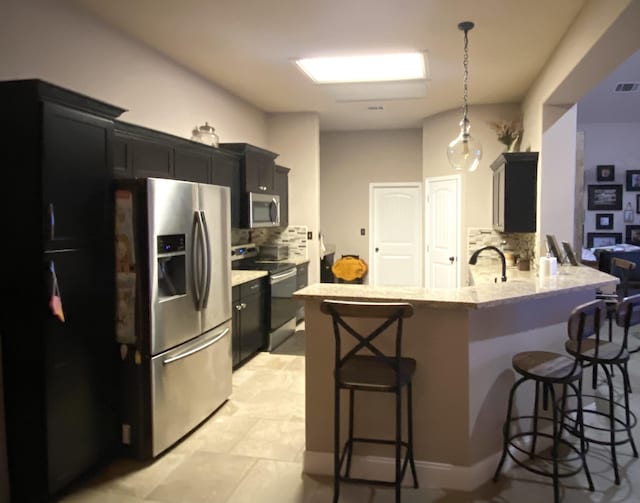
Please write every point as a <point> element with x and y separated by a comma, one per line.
<point>281,187</point>
<point>144,152</point>
<point>514,191</point>
<point>192,165</point>
<point>226,172</point>
<point>257,167</point>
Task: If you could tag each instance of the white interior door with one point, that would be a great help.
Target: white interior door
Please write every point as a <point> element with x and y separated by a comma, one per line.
<point>442,232</point>
<point>395,245</point>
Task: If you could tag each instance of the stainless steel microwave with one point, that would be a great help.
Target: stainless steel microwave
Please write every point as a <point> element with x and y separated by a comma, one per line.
<point>264,210</point>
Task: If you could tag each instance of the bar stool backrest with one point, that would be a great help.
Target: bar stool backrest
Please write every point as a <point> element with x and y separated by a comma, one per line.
<point>586,321</point>
<point>625,266</point>
<point>627,316</point>
<point>390,312</point>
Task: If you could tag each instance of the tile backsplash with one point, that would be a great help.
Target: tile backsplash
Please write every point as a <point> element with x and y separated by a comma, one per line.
<point>294,236</point>
<point>520,244</point>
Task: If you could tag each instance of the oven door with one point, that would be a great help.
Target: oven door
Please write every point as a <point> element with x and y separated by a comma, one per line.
<point>283,306</point>
<point>264,210</point>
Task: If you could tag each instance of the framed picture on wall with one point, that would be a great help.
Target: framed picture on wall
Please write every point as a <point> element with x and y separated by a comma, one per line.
<point>606,172</point>
<point>604,221</point>
<point>604,197</point>
<point>637,203</point>
<point>600,239</point>
<point>633,180</point>
<point>632,234</point>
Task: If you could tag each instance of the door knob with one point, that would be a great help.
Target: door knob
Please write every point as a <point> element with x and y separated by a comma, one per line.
<point>377,250</point>
<point>452,259</point>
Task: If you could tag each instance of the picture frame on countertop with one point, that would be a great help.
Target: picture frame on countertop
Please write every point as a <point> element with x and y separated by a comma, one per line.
<point>632,234</point>
<point>604,221</point>
<point>571,256</point>
<point>604,197</point>
<point>601,239</point>
<point>605,172</point>
<point>632,180</point>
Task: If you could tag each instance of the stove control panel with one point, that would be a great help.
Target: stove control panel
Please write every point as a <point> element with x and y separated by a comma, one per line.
<point>239,252</point>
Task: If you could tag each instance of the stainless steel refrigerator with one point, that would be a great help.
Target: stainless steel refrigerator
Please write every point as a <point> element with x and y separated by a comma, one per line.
<point>173,279</point>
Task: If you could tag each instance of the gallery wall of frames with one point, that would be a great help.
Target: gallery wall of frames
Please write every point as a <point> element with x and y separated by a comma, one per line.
<point>607,199</point>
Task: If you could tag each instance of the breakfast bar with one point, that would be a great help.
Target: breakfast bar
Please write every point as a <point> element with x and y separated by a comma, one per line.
<point>463,340</point>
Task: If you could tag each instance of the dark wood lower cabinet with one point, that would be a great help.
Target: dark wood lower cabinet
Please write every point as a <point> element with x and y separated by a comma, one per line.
<point>249,321</point>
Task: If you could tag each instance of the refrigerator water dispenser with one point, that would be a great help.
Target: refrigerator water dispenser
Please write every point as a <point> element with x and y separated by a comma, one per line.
<point>171,265</point>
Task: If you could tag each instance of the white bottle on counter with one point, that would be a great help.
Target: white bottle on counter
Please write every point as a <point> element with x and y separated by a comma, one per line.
<point>548,266</point>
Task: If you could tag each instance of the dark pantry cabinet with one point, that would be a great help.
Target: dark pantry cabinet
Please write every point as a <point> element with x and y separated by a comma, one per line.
<point>59,376</point>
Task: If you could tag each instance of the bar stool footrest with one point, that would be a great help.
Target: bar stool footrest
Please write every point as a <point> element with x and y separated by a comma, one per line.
<point>571,428</point>
<point>548,459</point>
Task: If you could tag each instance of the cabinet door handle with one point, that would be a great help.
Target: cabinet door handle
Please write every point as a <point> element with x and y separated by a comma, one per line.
<point>452,259</point>
<point>52,222</point>
<point>243,305</point>
<point>238,307</point>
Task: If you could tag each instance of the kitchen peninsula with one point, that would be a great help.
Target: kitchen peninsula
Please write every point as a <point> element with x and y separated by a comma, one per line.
<point>463,340</point>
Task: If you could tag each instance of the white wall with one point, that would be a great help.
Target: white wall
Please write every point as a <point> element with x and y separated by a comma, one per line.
<point>615,144</point>
<point>603,35</point>
<point>57,43</point>
<point>296,136</point>
<point>349,162</point>
<point>556,182</point>
<point>476,190</point>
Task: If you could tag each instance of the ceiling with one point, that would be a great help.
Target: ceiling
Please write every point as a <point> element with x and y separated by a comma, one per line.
<point>247,47</point>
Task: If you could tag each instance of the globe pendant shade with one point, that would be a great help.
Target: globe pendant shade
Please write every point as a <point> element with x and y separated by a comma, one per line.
<point>464,152</point>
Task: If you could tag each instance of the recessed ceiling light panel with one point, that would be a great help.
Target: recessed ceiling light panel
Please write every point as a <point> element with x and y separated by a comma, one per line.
<point>372,68</point>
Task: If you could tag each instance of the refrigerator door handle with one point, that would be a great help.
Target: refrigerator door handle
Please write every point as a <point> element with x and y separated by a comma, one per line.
<point>206,245</point>
<point>196,272</point>
<point>196,350</point>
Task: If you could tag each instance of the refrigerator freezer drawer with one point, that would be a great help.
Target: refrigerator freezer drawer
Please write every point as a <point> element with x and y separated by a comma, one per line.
<point>188,383</point>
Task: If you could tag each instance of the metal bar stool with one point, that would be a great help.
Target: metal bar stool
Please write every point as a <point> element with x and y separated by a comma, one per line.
<point>615,429</point>
<point>625,267</point>
<point>547,369</point>
<point>372,371</point>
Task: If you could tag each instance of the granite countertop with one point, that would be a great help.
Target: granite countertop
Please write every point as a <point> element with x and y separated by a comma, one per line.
<point>239,277</point>
<point>298,260</point>
<point>526,285</point>
<point>328,250</point>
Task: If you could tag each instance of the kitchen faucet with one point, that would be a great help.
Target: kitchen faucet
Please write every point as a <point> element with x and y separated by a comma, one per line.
<point>474,259</point>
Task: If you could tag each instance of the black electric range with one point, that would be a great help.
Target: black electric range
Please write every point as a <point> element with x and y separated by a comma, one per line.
<point>272,267</point>
<point>245,258</point>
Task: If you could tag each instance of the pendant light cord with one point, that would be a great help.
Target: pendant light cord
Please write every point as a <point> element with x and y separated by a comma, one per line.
<point>465,64</point>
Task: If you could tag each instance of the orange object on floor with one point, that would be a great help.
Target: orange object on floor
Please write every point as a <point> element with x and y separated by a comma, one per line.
<point>349,268</point>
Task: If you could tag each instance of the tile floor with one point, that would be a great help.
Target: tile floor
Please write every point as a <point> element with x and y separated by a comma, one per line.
<point>251,451</point>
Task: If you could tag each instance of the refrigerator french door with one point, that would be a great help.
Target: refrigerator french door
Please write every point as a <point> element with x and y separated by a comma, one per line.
<point>182,327</point>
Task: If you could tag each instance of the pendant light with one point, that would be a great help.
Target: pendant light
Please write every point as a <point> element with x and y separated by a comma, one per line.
<point>465,151</point>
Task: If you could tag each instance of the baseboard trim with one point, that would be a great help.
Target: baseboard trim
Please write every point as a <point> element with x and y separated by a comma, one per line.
<point>430,475</point>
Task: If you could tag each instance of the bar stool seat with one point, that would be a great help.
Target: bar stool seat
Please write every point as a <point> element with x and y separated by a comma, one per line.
<point>547,370</point>
<point>369,373</point>
<point>373,371</point>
